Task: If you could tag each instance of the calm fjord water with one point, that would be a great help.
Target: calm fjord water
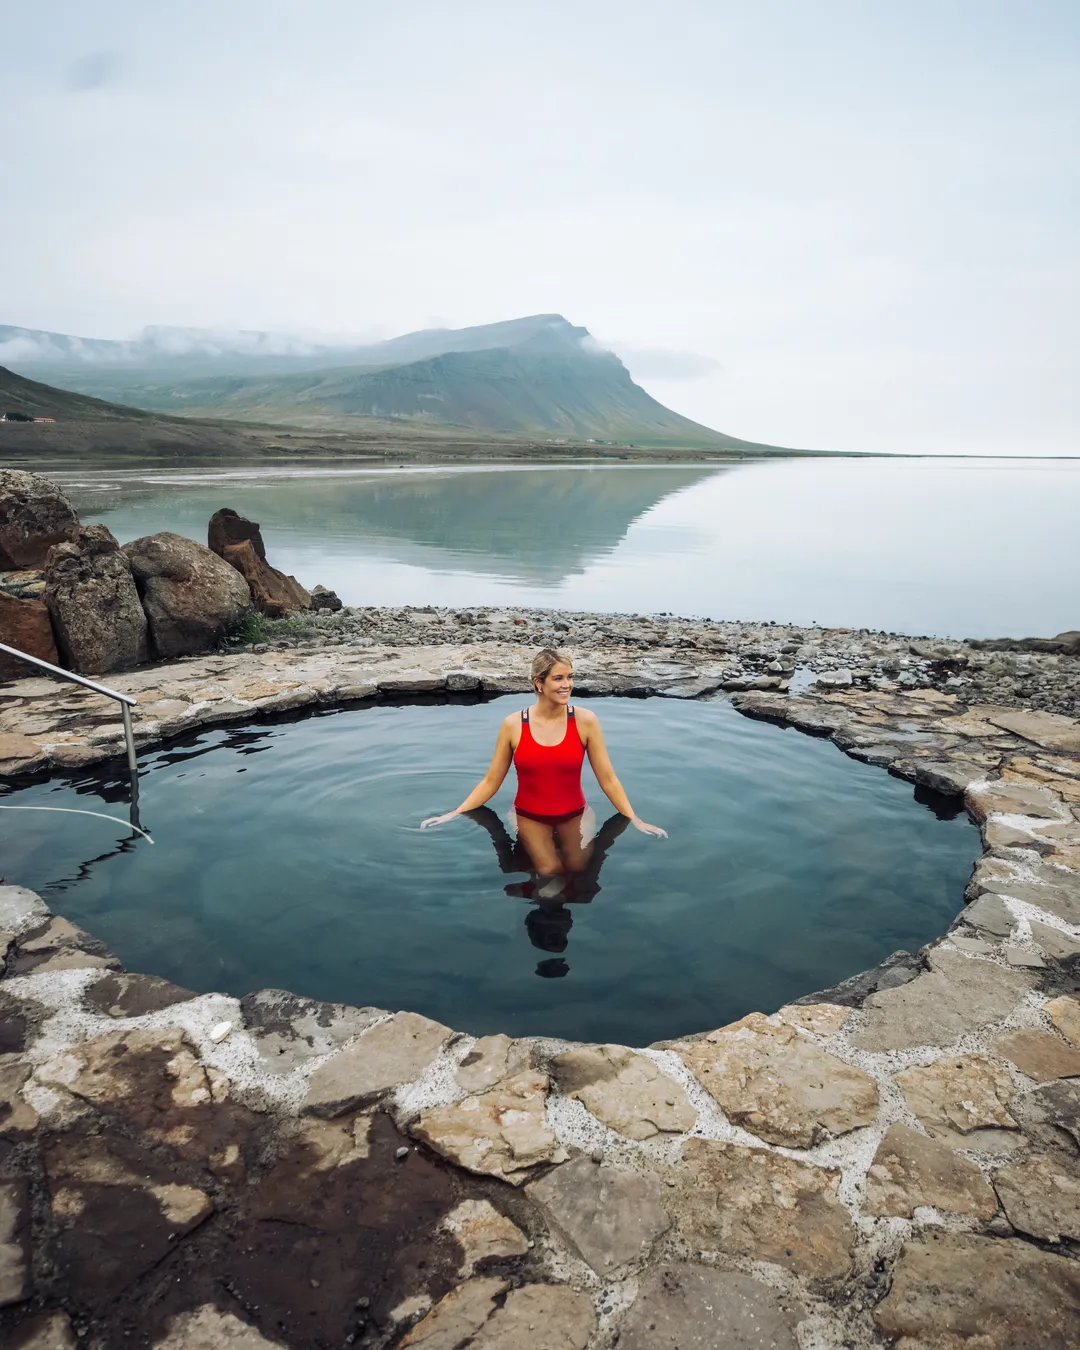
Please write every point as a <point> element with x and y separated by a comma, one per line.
<point>959,548</point>
<point>289,856</point>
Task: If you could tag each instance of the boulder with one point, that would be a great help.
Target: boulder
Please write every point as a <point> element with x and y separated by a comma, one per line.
<point>272,591</point>
<point>227,527</point>
<point>91,594</point>
<point>34,515</point>
<point>190,596</point>
<point>322,598</point>
<point>25,624</point>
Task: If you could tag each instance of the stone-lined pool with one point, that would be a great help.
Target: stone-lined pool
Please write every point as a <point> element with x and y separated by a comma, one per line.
<point>289,855</point>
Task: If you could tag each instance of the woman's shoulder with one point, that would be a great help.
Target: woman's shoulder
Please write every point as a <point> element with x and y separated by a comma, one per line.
<point>512,721</point>
<point>586,716</point>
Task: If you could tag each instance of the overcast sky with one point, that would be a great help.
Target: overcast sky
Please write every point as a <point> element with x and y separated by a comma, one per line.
<point>841,224</point>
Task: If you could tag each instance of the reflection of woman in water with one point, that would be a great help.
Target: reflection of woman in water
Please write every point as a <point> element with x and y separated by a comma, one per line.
<point>548,924</point>
<point>547,745</point>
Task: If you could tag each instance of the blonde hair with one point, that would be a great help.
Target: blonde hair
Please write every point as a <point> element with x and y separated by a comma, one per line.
<point>544,663</point>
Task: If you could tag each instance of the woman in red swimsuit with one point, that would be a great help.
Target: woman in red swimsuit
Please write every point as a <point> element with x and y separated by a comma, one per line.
<point>547,744</point>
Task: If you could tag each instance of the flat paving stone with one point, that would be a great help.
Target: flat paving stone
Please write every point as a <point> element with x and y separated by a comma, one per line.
<point>1055,943</point>
<point>962,1100</point>
<point>953,1291</point>
<point>610,1216</point>
<point>1040,1194</point>
<point>490,1060</point>
<point>910,1169</point>
<point>288,1031</point>
<point>751,1203</point>
<point>483,1234</point>
<point>1050,730</point>
<point>956,996</point>
<point>989,914</point>
<point>501,1133</point>
<point>1064,1012</point>
<point>124,995</point>
<point>207,1328</point>
<point>779,1084</point>
<point>688,1307</point>
<point>14,1243</point>
<point>532,1317</point>
<point>624,1090</point>
<point>1040,1054</point>
<point>382,1058</point>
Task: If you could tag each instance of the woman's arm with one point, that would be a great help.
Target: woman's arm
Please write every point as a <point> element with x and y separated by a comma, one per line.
<point>605,774</point>
<point>491,781</point>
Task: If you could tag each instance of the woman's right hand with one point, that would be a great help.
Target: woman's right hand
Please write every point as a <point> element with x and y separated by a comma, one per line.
<point>438,820</point>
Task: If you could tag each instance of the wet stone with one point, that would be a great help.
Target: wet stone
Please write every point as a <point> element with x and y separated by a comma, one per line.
<point>124,995</point>
<point>624,1090</point>
<point>207,1328</point>
<point>501,1133</point>
<point>688,1307</point>
<point>382,1058</point>
<point>609,1215</point>
<point>483,1234</point>
<point>1039,1054</point>
<point>154,1080</point>
<point>962,1100</point>
<point>288,1030</point>
<point>117,1210</point>
<point>956,996</point>
<point>751,1203</point>
<point>910,1170</point>
<point>1040,1194</point>
<point>951,1291</point>
<point>778,1084</point>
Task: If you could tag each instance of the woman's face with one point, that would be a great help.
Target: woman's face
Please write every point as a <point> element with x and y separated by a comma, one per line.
<point>559,684</point>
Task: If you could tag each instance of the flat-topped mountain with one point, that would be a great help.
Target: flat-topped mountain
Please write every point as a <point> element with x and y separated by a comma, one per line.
<point>539,377</point>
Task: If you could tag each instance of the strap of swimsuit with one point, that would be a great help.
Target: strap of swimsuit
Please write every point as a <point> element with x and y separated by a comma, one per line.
<point>569,711</point>
<point>524,714</point>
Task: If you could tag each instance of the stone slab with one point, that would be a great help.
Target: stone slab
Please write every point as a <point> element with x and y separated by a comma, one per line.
<point>624,1090</point>
<point>911,1169</point>
<point>382,1058</point>
<point>952,1291</point>
<point>989,914</point>
<point>15,1279</point>
<point>956,996</point>
<point>1064,1012</point>
<point>1050,730</point>
<point>1040,1054</point>
<point>1040,1194</point>
<point>483,1234</point>
<point>779,1084</point>
<point>680,1306</point>
<point>536,1316</point>
<point>610,1216</point>
<point>500,1133</point>
<point>208,1328</point>
<point>748,1202</point>
<point>962,1100</point>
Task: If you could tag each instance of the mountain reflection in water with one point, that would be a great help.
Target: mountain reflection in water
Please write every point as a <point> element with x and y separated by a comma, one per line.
<point>538,526</point>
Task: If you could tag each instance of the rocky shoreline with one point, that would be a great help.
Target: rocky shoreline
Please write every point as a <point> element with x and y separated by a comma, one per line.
<point>894,1161</point>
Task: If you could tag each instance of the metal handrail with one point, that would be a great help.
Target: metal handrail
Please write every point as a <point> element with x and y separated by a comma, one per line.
<point>125,700</point>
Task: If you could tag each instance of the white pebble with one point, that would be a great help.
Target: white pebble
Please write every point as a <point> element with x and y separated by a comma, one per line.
<point>219,1032</point>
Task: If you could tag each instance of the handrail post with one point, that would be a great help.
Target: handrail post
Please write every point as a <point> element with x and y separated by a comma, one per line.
<point>129,736</point>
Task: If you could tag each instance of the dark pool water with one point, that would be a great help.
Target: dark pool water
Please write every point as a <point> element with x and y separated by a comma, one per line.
<point>289,855</point>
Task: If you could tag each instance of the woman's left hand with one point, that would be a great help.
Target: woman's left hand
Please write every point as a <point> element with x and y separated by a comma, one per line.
<point>646,828</point>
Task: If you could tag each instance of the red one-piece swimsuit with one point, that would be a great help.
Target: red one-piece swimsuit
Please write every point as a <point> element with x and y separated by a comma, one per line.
<point>549,776</point>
